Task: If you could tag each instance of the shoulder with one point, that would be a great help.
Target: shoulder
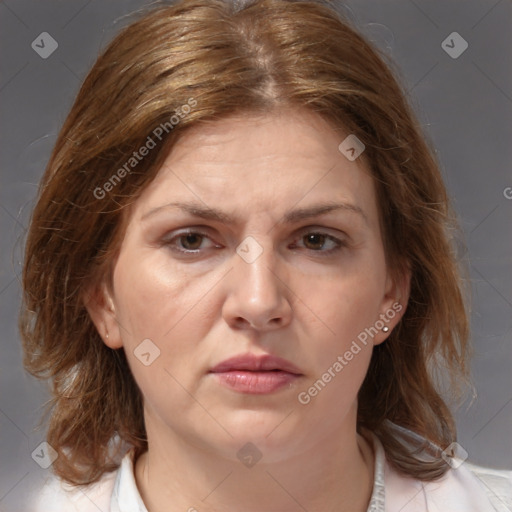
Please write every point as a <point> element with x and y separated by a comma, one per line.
<point>59,496</point>
<point>497,483</point>
<point>466,488</point>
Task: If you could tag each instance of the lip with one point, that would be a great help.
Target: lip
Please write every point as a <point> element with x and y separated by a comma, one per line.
<point>252,374</point>
<point>251,362</point>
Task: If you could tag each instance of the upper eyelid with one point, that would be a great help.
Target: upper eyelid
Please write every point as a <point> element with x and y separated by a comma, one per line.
<point>206,230</point>
<point>314,228</point>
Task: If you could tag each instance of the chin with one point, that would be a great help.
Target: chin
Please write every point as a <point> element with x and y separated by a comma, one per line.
<point>273,435</point>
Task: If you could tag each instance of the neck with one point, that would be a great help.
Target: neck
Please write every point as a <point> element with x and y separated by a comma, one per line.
<point>335,475</point>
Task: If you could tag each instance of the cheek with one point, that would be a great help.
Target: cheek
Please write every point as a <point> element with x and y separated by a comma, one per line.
<point>168,305</point>
<point>340,355</point>
<point>354,305</point>
<point>156,302</point>
<point>346,302</point>
<point>152,297</point>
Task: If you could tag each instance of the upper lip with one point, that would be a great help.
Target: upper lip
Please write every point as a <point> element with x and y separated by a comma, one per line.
<point>252,362</point>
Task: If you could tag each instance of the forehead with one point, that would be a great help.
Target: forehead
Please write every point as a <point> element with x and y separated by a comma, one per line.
<point>252,164</point>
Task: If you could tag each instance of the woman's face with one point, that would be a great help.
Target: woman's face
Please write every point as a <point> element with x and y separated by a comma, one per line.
<point>284,257</point>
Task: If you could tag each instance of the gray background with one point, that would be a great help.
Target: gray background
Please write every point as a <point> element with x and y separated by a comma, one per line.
<point>464,104</point>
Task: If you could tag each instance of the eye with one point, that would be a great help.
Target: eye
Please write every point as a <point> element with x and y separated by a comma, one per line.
<point>188,242</point>
<point>193,242</point>
<point>322,242</point>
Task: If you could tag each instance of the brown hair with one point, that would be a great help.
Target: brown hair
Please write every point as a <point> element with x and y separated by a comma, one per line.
<point>223,59</point>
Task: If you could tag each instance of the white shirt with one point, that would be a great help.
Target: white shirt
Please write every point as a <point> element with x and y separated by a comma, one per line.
<point>468,488</point>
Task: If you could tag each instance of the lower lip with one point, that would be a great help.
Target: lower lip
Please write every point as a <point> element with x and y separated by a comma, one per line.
<point>257,383</point>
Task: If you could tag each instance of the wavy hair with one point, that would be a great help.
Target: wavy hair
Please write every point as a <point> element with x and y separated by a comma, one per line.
<point>222,58</point>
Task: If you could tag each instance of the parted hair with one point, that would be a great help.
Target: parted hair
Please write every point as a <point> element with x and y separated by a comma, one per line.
<point>180,65</point>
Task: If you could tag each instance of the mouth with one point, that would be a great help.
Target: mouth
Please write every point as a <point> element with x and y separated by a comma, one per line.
<point>252,374</point>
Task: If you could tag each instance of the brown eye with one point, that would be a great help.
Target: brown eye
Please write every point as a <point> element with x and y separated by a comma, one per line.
<point>321,243</point>
<point>191,241</point>
<point>314,241</point>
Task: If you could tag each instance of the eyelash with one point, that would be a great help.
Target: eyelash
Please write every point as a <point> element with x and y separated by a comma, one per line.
<point>340,244</point>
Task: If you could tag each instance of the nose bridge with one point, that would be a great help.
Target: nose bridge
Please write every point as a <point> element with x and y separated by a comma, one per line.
<point>255,263</point>
<point>256,294</point>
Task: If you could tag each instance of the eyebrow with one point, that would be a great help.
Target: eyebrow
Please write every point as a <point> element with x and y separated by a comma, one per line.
<point>213,214</point>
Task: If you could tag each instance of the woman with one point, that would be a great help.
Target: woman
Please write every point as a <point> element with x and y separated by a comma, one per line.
<point>238,277</point>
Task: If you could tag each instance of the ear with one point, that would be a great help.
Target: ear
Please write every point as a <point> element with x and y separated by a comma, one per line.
<point>394,303</point>
<point>100,305</point>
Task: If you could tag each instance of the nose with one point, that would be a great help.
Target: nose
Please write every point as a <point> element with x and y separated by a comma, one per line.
<point>258,295</point>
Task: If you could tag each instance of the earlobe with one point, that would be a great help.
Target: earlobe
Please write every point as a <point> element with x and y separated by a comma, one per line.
<point>388,320</point>
<point>101,308</point>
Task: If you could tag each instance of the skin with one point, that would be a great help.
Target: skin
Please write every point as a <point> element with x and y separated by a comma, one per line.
<point>297,300</point>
